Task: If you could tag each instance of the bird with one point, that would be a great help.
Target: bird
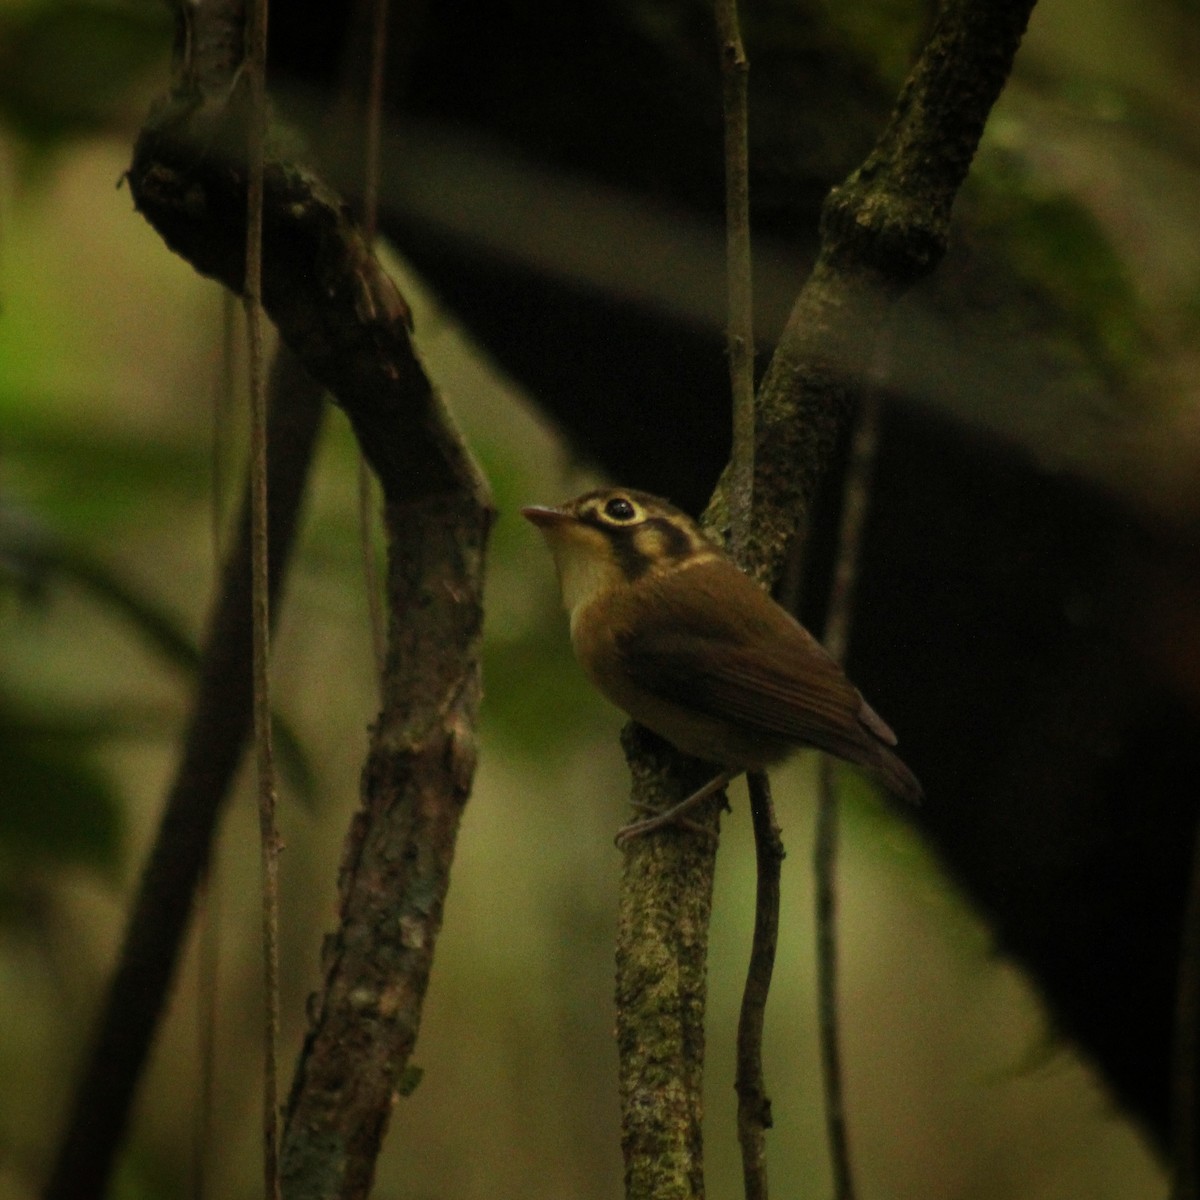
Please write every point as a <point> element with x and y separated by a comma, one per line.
<point>671,631</point>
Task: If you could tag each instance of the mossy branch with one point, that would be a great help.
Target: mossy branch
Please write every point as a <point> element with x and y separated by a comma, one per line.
<point>882,230</point>
<point>347,323</point>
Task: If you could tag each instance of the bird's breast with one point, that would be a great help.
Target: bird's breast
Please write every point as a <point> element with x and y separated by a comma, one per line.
<point>601,633</point>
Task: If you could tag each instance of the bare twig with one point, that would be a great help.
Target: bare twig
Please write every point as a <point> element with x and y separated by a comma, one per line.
<point>1185,1052</point>
<point>367,502</point>
<point>373,116</point>
<point>882,230</point>
<point>660,1020</point>
<point>373,128</point>
<point>223,405</point>
<point>208,954</point>
<point>754,1106</point>
<point>825,883</point>
<point>856,492</point>
<point>740,340</point>
<point>256,129</point>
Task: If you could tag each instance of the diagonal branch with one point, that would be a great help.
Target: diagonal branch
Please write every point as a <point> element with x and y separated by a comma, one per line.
<point>342,316</point>
<point>333,303</point>
<point>882,230</point>
<point>213,744</point>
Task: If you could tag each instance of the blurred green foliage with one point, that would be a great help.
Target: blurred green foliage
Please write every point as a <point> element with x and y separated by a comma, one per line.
<point>104,522</point>
<point>66,66</point>
<point>82,475</point>
<point>58,805</point>
<point>1054,244</point>
<point>885,33</point>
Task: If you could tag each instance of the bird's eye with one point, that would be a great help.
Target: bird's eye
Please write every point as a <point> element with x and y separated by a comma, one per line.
<point>620,509</point>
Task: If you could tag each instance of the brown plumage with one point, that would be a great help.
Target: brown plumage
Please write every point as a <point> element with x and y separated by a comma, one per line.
<point>673,633</point>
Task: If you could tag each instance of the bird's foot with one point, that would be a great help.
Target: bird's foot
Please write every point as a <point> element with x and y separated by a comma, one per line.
<point>676,814</point>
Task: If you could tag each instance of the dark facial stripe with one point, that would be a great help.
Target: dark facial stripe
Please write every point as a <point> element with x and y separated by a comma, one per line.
<point>632,561</point>
<point>637,548</point>
<point>675,541</point>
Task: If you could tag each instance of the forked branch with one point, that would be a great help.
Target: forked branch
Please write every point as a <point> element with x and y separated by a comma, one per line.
<point>882,230</point>
<point>344,318</point>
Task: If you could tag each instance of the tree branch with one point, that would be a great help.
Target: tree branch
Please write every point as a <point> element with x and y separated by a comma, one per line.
<point>754,1106</point>
<point>255,74</point>
<point>342,315</point>
<point>1185,1049</point>
<point>738,269</point>
<point>882,230</point>
<point>856,493</point>
<point>395,869</point>
<point>662,955</point>
<point>213,745</point>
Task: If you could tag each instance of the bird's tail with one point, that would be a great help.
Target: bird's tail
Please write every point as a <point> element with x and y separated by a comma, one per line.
<point>875,743</point>
<point>894,775</point>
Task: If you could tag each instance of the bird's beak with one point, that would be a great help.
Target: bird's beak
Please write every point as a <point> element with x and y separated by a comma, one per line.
<point>544,518</point>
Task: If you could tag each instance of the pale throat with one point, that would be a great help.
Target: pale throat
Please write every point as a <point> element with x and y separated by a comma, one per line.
<point>583,578</point>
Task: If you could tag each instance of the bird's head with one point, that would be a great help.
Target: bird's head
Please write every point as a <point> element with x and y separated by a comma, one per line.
<point>611,538</point>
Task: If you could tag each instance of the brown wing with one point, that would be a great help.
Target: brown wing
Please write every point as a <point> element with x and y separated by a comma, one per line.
<point>712,646</point>
<point>805,704</point>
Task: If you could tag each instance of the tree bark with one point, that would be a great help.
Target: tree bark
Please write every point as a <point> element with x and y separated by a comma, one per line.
<point>881,231</point>
<point>346,321</point>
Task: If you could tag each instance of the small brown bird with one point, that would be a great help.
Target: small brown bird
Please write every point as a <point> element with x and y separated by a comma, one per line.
<point>671,631</point>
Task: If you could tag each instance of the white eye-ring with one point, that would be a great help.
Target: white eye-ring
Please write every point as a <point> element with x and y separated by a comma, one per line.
<point>620,509</point>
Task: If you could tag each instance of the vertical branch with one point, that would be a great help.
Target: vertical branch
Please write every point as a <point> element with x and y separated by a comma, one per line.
<point>662,931</point>
<point>256,59</point>
<point>662,957</point>
<point>366,538</point>
<point>372,129</point>
<point>824,872</point>
<point>223,407</point>
<point>754,1106</point>
<point>207,963</point>
<point>735,69</point>
<point>208,954</point>
<point>373,117</point>
<point>1185,1079</point>
<point>858,475</point>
